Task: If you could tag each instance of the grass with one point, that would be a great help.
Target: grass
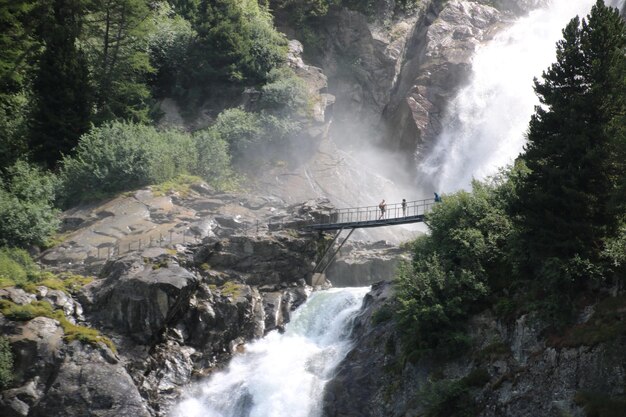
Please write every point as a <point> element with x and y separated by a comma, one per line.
<point>231,289</point>
<point>66,282</point>
<point>72,331</point>
<point>180,185</point>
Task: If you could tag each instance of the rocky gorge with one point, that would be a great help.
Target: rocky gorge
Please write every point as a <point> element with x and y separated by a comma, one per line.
<point>184,279</point>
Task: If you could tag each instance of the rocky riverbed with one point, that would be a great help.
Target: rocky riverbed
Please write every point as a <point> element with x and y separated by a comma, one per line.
<point>174,310</point>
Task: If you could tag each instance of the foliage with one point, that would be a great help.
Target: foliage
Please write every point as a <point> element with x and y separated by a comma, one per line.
<point>168,46</point>
<point>26,201</point>
<point>121,156</point>
<point>569,201</point>
<point>116,41</point>
<point>14,110</point>
<point>284,93</point>
<point>236,44</point>
<point>61,89</point>
<point>606,325</point>
<point>213,158</point>
<point>180,185</point>
<point>453,268</point>
<point>16,267</point>
<point>246,133</point>
<point>452,398</point>
<point>6,363</point>
<point>66,282</point>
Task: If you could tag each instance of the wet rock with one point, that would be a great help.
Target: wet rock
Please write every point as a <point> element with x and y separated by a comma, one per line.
<point>436,64</point>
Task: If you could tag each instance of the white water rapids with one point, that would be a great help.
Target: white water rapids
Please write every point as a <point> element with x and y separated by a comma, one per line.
<point>486,122</point>
<point>282,375</point>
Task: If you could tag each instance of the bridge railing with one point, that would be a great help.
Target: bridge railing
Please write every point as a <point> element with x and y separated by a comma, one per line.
<point>374,213</point>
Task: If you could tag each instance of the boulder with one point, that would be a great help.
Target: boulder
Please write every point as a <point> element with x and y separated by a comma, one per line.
<point>137,295</point>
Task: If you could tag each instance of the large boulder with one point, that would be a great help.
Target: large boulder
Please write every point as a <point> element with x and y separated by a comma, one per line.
<point>54,378</point>
<point>137,295</point>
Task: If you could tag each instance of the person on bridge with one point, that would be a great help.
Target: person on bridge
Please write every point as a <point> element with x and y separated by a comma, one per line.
<point>437,198</point>
<point>404,207</point>
<point>382,206</point>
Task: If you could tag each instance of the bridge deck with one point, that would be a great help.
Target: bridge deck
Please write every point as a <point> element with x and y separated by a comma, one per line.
<point>372,216</point>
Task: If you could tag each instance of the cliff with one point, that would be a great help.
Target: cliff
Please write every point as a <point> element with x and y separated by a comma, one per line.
<point>515,367</point>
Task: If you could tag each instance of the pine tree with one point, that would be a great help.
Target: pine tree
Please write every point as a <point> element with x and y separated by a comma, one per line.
<point>117,38</point>
<point>575,151</point>
<point>61,88</point>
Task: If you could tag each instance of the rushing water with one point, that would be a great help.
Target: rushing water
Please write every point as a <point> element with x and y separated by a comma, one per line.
<point>282,375</point>
<point>485,123</point>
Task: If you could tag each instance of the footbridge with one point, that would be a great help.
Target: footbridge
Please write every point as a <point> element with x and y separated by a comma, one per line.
<point>350,219</point>
<point>373,216</point>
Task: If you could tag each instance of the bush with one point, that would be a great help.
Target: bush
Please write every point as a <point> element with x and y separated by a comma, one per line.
<point>249,134</point>
<point>452,269</point>
<point>284,93</point>
<point>27,216</point>
<point>6,363</point>
<point>213,158</point>
<point>16,268</point>
<point>239,129</point>
<point>121,156</point>
<point>452,398</point>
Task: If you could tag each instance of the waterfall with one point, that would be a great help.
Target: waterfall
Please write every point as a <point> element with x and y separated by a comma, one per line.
<point>485,123</point>
<point>282,375</point>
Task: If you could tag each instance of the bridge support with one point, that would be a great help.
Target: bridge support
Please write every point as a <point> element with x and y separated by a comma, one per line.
<point>325,260</point>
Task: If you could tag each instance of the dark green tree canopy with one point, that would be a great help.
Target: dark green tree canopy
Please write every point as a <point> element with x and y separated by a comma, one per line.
<point>568,200</point>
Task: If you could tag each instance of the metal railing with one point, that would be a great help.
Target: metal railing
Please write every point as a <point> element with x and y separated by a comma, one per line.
<point>408,211</point>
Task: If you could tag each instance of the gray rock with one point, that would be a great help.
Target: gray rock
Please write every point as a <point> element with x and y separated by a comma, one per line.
<point>86,384</point>
<point>136,297</point>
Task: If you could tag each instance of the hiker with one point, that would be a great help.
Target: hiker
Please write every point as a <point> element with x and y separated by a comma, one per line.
<point>404,207</point>
<point>382,206</point>
<point>437,198</point>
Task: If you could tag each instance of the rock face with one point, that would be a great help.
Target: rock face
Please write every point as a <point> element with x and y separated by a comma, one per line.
<point>56,378</point>
<point>175,313</point>
<point>527,375</point>
<point>436,64</point>
<point>359,264</point>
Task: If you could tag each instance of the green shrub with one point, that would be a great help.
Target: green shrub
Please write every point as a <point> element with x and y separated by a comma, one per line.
<point>248,134</point>
<point>213,158</point>
<point>284,93</point>
<point>6,363</point>
<point>452,398</point>
<point>239,128</point>
<point>16,268</point>
<point>452,269</point>
<point>121,156</point>
<point>27,216</point>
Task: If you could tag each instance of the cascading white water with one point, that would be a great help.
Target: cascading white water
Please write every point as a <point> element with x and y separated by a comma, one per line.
<point>485,123</point>
<point>282,375</point>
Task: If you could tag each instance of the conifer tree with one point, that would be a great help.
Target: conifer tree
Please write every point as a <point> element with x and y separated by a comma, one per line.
<point>61,88</point>
<point>575,151</point>
<point>116,36</point>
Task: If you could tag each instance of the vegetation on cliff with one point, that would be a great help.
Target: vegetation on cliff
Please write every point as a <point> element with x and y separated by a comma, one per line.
<point>79,81</point>
<point>552,228</point>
